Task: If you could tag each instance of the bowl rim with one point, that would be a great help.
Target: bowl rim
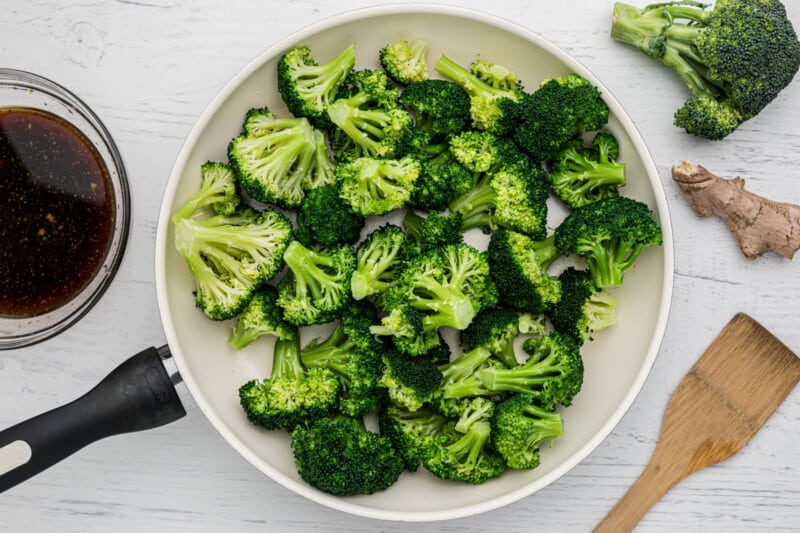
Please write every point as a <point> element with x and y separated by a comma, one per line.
<point>348,505</point>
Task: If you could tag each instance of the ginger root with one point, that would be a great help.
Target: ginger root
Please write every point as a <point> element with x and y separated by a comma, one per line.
<point>759,224</point>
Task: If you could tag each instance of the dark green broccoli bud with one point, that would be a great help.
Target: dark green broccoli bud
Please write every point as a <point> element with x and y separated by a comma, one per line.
<point>229,256</point>
<point>518,265</point>
<point>440,180</point>
<point>341,457</point>
<point>325,218</point>
<point>405,62</point>
<point>553,374</point>
<point>377,186</point>
<point>734,58</point>
<point>496,328</point>
<point>409,380</point>
<point>291,396</point>
<point>380,258</point>
<point>440,107</point>
<point>410,431</point>
<point>556,113</point>
<point>260,317</point>
<point>307,88</point>
<point>520,427</point>
<point>610,234</point>
<point>317,285</point>
<point>275,158</point>
<point>583,308</point>
<point>434,231</point>
<point>581,176</point>
<point>218,190</point>
<point>494,92</point>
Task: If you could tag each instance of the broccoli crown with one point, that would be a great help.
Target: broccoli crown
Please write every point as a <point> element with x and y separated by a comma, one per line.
<point>377,186</point>
<point>229,256</point>
<point>339,456</point>
<point>610,234</point>
<point>379,259</point>
<point>410,432</point>
<point>274,158</point>
<point>307,88</point>
<point>440,107</point>
<point>740,54</point>
<point>518,265</point>
<point>260,317</point>
<point>494,92</point>
<point>405,62</point>
<point>520,204</point>
<point>520,427</point>
<point>580,176</point>
<point>291,396</point>
<point>440,180</point>
<point>558,111</point>
<point>317,286</point>
<point>409,380</point>
<point>433,231</point>
<point>325,218</point>
<point>496,328</point>
<point>404,324</point>
<point>583,308</point>
<point>478,151</point>
<point>218,191</point>
<point>553,374</point>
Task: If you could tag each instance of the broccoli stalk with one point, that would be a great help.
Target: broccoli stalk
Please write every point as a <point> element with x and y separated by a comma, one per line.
<point>581,176</point>
<point>520,427</point>
<point>379,259</point>
<point>218,189</point>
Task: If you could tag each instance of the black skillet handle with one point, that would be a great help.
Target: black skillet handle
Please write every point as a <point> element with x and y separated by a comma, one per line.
<point>138,394</point>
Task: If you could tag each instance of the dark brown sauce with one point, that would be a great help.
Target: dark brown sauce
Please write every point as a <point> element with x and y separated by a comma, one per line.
<point>56,212</point>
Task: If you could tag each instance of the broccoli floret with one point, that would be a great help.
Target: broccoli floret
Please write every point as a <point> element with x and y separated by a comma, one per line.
<point>494,92</point>
<point>610,234</point>
<point>260,317</point>
<point>580,176</point>
<point>518,265</point>
<point>379,259</point>
<point>275,158</point>
<point>405,62</point>
<point>369,113</point>
<point>496,328</point>
<point>440,180</point>
<point>341,457</point>
<point>552,375</point>
<point>317,285</point>
<point>410,431</point>
<point>734,58</point>
<point>556,113</point>
<point>409,380</point>
<point>583,308</point>
<point>440,107</point>
<point>464,453</point>
<point>218,190</point>
<point>307,88</point>
<point>433,231</point>
<point>460,380</point>
<point>229,256</point>
<point>325,218</point>
<point>403,324</point>
<point>520,427</point>
<point>292,395</point>
<point>478,151</point>
<point>377,186</point>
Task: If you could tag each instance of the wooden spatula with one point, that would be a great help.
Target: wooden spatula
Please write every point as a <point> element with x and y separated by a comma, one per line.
<point>723,401</point>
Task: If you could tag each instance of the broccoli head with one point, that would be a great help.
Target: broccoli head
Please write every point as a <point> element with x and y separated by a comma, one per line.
<point>583,308</point>
<point>496,328</point>
<point>260,317</point>
<point>440,107</point>
<point>377,186</point>
<point>325,218</point>
<point>520,427</point>
<point>405,61</point>
<point>218,190</point>
<point>379,260</point>
<point>433,231</point>
<point>410,380</point>
<point>410,432</point>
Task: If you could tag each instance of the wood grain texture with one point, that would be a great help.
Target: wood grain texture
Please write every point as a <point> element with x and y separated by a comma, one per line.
<point>149,68</point>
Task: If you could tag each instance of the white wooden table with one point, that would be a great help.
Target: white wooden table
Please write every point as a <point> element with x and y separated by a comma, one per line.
<point>149,67</point>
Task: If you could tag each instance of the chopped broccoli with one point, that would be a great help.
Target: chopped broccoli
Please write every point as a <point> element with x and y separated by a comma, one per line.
<point>379,259</point>
<point>583,308</point>
<point>308,89</point>
<point>440,107</point>
<point>441,179</point>
<point>409,380</point>
<point>377,186</point>
<point>317,287</point>
<point>520,427</point>
<point>610,234</point>
<point>496,328</point>
<point>734,58</point>
<point>218,190</point>
<point>518,265</point>
<point>580,176</point>
<point>433,231</point>
<point>325,218</point>
<point>405,62</point>
<point>341,457</point>
<point>292,395</point>
<point>459,380</point>
<point>410,432</point>
<point>403,324</point>
<point>552,375</point>
<point>556,113</point>
<point>229,256</point>
<point>260,317</point>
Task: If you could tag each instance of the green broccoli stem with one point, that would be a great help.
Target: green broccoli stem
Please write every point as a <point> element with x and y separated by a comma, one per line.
<point>332,353</point>
<point>547,424</point>
<point>449,305</point>
<point>306,266</point>
<point>608,260</point>
<point>477,205</point>
<point>205,196</point>
<point>326,77</point>
<point>600,310</point>
<point>286,359</point>
<point>463,77</point>
<point>364,127</point>
<point>412,222</point>
<point>469,447</point>
<point>242,336</point>
<point>545,251</point>
<point>521,379</point>
<point>469,387</point>
<point>464,365</point>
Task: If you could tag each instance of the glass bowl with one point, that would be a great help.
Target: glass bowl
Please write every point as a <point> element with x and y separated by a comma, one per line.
<point>65,208</point>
